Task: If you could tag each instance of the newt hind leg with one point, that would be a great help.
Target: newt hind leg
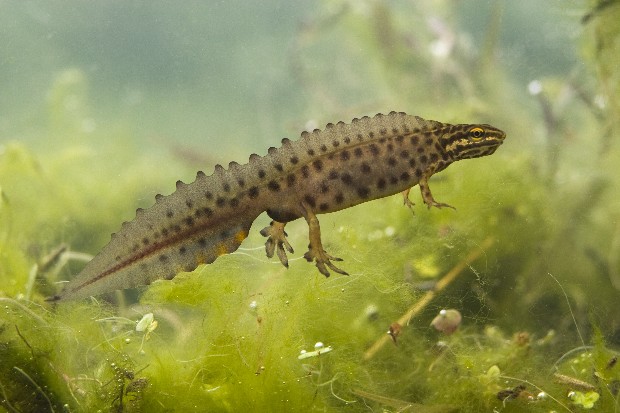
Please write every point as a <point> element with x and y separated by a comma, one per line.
<point>316,252</point>
<point>276,241</point>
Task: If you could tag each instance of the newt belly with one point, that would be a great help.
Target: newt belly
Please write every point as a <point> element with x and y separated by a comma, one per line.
<point>324,171</point>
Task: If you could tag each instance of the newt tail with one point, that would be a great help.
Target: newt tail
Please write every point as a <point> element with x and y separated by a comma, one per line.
<point>323,171</point>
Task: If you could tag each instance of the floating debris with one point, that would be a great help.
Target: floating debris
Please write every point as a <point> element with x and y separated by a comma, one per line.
<point>585,400</point>
<point>319,348</point>
<point>447,321</point>
<point>147,323</point>
<point>394,331</point>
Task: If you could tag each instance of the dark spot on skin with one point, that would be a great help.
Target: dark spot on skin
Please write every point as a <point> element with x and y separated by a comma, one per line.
<point>345,155</point>
<point>182,250</point>
<point>169,214</point>
<point>434,157</point>
<point>253,192</point>
<point>423,159</point>
<point>224,234</point>
<point>415,140</point>
<point>393,180</point>
<point>189,221</point>
<point>418,173</point>
<point>189,203</point>
<point>324,206</point>
<point>339,198</point>
<point>323,148</point>
<point>374,149</point>
<point>273,186</point>
<point>163,258</point>
<point>164,232</point>
<point>412,162</point>
<point>428,141</point>
<point>400,138</point>
<point>220,202</point>
<point>346,178</point>
<point>382,140</point>
<point>324,188</point>
<point>421,149</point>
<point>381,183</point>
<point>438,147</point>
<point>208,195</point>
<point>294,160</point>
<point>310,200</point>
<point>390,147</point>
<point>233,202</point>
<point>330,156</point>
<point>383,131</point>
<point>318,165</point>
<point>305,171</point>
<point>444,156</point>
<point>371,135</point>
<point>404,176</point>
<point>391,161</point>
<point>404,154</point>
<point>363,192</point>
<point>333,174</point>
<point>290,179</point>
<point>360,137</point>
<point>175,228</point>
<point>135,248</point>
<point>336,144</point>
<point>145,241</point>
<point>207,211</point>
<point>202,242</point>
<point>347,140</point>
<point>226,187</point>
<point>311,152</point>
<point>261,174</point>
<point>358,152</point>
<point>365,168</point>
<point>279,167</point>
<point>241,182</point>
<point>394,131</point>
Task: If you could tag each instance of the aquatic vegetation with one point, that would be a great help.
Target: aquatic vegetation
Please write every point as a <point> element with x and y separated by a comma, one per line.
<point>529,260</point>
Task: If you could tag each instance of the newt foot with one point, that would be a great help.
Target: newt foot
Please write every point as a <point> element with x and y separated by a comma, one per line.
<point>276,241</point>
<point>322,260</point>
<point>440,205</point>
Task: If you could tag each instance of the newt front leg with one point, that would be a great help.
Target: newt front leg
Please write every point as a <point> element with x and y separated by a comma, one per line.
<point>315,248</point>
<point>427,196</point>
<point>408,203</point>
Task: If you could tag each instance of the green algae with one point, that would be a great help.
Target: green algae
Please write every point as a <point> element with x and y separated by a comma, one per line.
<point>539,313</point>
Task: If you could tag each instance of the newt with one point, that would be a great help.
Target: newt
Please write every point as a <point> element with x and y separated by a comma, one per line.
<point>324,171</point>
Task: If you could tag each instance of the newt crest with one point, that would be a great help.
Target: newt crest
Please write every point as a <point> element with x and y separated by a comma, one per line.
<point>324,171</point>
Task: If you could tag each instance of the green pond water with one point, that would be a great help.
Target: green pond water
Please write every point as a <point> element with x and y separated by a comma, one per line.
<point>103,105</point>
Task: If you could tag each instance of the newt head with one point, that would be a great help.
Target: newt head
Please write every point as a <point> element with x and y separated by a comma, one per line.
<point>471,141</point>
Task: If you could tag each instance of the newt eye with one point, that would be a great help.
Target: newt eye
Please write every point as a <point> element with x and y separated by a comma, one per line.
<point>476,133</point>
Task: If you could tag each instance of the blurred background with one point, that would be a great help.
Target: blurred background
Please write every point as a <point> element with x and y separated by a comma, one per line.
<point>105,104</point>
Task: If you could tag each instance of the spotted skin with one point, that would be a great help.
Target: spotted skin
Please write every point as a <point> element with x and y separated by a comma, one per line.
<point>324,171</point>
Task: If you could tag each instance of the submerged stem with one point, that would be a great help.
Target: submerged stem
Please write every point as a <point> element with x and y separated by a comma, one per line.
<point>426,298</point>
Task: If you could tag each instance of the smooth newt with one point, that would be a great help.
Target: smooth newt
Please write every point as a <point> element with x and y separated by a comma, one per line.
<point>324,171</point>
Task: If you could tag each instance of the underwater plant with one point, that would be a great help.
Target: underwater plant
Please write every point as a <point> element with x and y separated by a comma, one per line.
<point>529,262</point>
